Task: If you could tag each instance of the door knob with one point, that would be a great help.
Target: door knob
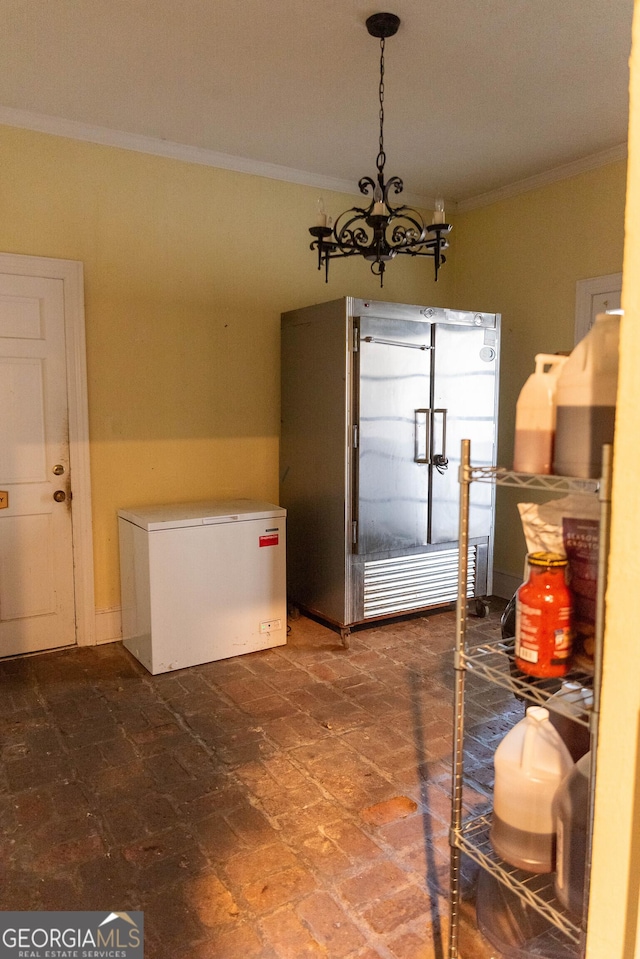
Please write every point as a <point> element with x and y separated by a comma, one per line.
<point>59,496</point>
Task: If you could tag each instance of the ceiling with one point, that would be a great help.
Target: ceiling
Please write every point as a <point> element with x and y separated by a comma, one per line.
<point>479,94</point>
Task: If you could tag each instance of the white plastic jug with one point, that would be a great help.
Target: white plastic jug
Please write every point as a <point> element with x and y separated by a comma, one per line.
<point>571,809</point>
<point>536,416</point>
<point>530,763</point>
<point>570,699</point>
<point>586,400</point>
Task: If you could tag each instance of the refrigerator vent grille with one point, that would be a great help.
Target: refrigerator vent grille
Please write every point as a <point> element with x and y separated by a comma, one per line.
<point>410,582</point>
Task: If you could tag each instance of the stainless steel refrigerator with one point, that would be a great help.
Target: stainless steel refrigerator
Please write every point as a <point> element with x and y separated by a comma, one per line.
<point>375,400</point>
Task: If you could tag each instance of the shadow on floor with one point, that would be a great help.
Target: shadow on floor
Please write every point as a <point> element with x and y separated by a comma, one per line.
<point>284,804</point>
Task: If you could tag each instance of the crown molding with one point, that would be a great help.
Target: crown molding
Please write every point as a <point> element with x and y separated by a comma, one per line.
<point>74,130</point>
<point>563,172</point>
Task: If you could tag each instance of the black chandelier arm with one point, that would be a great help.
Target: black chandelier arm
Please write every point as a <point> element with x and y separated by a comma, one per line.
<point>432,236</point>
<point>429,248</point>
<point>432,248</point>
<point>355,241</point>
<point>340,254</point>
<point>402,210</point>
<point>410,236</point>
<point>439,228</point>
<point>411,231</point>
<point>424,248</point>
<point>352,235</point>
<point>367,186</point>
<point>394,183</point>
<point>329,250</point>
<point>342,242</point>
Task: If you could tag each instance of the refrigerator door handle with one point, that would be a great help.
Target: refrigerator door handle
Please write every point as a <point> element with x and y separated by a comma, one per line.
<point>440,460</point>
<point>407,346</point>
<point>422,435</point>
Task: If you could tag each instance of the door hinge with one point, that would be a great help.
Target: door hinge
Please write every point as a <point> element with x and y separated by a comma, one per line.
<point>354,533</point>
<point>355,437</point>
<point>356,339</point>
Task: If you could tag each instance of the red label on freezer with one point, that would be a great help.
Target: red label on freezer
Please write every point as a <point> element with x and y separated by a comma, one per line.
<point>271,540</point>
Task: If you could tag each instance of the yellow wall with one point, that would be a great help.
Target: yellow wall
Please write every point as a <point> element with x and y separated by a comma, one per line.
<point>183,304</point>
<point>613,917</point>
<point>187,269</point>
<point>522,257</point>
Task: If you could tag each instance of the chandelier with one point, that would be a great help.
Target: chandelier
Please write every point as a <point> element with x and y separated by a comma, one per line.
<point>380,231</point>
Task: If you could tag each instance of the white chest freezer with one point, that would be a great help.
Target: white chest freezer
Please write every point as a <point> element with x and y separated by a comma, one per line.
<point>202,581</point>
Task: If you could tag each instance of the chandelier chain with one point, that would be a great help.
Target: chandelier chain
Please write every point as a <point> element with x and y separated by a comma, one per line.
<point>381,154</point>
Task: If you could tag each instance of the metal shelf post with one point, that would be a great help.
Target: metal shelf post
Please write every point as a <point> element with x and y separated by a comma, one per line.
<point>460,668</point>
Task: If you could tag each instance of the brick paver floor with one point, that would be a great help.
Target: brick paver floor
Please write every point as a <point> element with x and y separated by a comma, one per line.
<point>280,805</point>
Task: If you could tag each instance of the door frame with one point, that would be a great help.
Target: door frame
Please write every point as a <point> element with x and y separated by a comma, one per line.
<point>72,275</point>
<point>585,292</point>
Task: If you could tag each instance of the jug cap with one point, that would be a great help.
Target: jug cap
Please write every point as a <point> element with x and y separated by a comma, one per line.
<point>547,559</point>
<point>537,713</point>
<point>554,360</point>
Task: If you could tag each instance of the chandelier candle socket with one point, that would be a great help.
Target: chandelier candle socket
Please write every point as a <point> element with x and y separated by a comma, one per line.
<point>380,231</point>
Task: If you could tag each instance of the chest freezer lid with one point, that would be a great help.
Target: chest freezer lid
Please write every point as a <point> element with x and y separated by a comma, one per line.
<point>204,513</point>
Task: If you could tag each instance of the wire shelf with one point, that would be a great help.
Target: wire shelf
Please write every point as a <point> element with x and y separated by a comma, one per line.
<point>495,662</point>
<point>558,484</point>
<point>534,889</point>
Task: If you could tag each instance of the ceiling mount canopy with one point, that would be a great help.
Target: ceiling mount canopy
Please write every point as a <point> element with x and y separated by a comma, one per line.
<point>383,25</point>
<point>380,231</point>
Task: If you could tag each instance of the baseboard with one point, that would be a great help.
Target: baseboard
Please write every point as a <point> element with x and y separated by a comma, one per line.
<point>505,584</point>
<point>108,625</point>
<point>109,621</point>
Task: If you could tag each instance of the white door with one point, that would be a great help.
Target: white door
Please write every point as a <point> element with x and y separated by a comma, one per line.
<point>37,605</point>
<point>595,295</point>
